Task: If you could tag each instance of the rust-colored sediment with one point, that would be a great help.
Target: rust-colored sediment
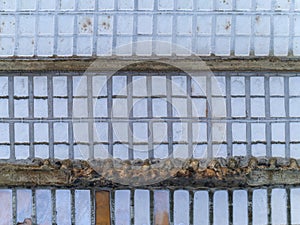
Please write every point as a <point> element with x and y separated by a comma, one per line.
<point>161,219</point>
<point>103,208</point>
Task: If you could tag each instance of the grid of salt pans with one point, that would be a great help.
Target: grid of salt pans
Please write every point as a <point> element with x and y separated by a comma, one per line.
<point>100,27</point>
<point>199,207</point>
<point>136,115</point>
